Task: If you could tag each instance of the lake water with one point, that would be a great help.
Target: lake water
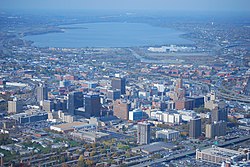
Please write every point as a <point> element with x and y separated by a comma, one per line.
<point>109,35</point>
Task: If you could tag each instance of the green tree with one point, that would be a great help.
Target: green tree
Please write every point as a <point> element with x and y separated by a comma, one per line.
<point>201,110</point>
<point>80,162</point>
<point>64,165</point>
<point>128,155</point>
<point>92,153</point>
<point>89,162</point>
<point>103,151</point>
<point>4,139</point>
<point>62,159</point>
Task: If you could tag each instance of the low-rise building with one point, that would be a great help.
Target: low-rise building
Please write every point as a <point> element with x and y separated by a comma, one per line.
<point>67,127</point>
<point>167,134</point>
<point>218,155</point>
<point>92,136</point>
<point>136,115</point>
<point>30,116</point>
<point>187,115</point>
<point>153,147</point>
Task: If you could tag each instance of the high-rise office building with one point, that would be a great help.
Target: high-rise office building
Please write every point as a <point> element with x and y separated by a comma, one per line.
<point>92,105</point>
<point>64,83</point>
<point>42,93</point>
<point>121,108</point>
<point>113,94</point>
<point>210,101</point>
<point>78,99</point>
<point>179,83</point>
<point>143,133</point>
<point>70,103</point>
<point>75,100</point>
<point>216,129</point>
<point>219,115</point>
<point>195,128</point>
<point>180,89</point>
<point>210,130</point>
<point>179,96</point>
<point>187,104</point>
<point>48,105</point>
<point>60,104</point>
<point>247,87</point>
<point>198,101</point>
<point>119,83</point>
<point>15,106</point>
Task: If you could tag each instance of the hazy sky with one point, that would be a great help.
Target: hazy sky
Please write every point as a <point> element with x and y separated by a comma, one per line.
<point>167,5</point>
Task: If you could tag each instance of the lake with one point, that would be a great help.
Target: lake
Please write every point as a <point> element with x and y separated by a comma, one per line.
<point>109,34</point>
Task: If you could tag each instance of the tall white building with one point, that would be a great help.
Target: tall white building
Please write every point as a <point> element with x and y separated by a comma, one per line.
<point>173,118</point>
<point>157,115</point>
<point>14,106</point>
<point>42,93</point>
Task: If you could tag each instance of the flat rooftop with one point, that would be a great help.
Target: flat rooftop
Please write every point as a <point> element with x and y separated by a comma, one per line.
<point>69,125</point>
<point>165,131</point>
<point>93,134</point>
<point>222,152</point>
<point>155,147</point>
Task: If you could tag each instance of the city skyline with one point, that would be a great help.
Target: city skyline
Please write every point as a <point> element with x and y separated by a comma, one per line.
<point>124,83</point>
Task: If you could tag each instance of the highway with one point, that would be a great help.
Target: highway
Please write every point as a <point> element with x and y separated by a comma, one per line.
<point>231,94</point>
<point>226,93</point>
<point>192,152</point>
<point>233,97</point>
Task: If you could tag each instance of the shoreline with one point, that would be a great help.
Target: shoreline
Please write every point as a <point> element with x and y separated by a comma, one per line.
<point>61,29</point>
